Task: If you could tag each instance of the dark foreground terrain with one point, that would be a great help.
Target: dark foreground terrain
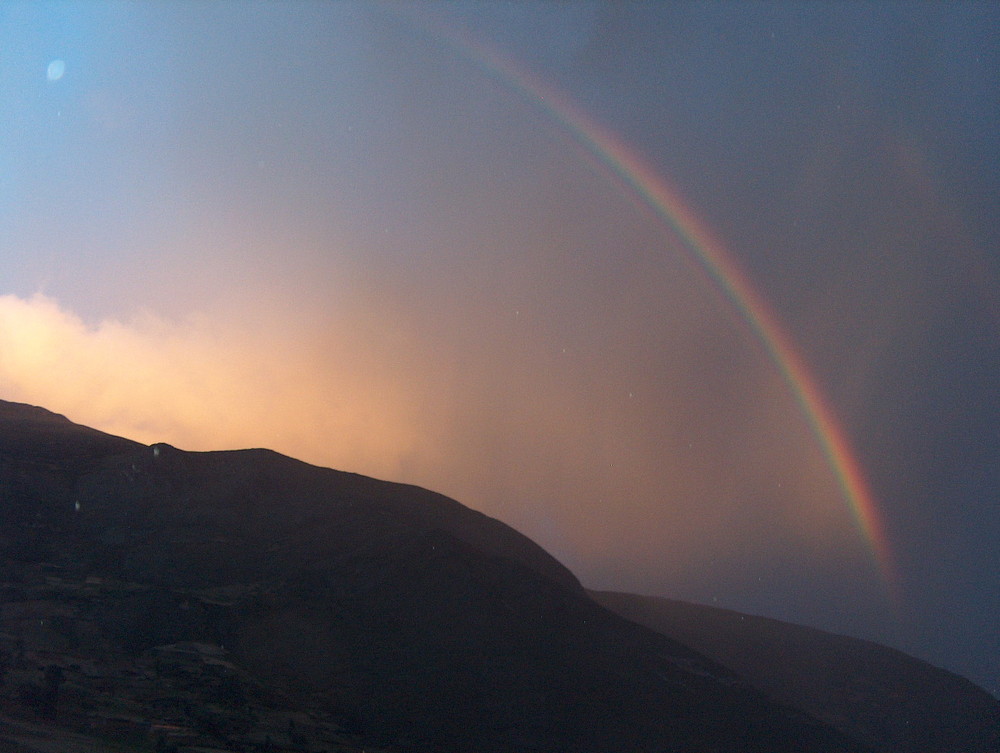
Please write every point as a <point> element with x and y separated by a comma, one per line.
<point>154,600</point>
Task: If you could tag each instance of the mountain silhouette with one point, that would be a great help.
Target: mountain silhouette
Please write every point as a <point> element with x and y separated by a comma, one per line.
<point>868,691</point>
<point>243,600</point>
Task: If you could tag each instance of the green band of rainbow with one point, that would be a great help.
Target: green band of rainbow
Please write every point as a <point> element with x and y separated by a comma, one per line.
<point>667,203</point>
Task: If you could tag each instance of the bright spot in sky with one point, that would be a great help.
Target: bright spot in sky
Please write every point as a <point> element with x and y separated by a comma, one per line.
<point>56,70</point>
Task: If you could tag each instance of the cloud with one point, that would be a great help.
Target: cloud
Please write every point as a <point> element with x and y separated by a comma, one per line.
<point>694,461</point>
<point>200,384</point>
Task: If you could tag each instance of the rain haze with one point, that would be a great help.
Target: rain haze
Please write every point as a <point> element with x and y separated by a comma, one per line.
<point>651,283</point>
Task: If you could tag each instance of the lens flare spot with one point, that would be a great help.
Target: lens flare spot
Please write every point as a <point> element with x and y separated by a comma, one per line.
<point>56,70</point>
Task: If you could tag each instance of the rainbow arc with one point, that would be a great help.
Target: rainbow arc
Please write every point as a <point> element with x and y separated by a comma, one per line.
<point>648,186</point>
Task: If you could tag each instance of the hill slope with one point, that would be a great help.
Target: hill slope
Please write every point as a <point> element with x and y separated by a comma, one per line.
<point>219,595</point>
<point>868,691</point>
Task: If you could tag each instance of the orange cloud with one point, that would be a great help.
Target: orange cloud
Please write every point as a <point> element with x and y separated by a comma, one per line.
<point>200,384</point>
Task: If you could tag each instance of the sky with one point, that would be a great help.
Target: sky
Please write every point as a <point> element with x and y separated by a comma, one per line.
<point>702,297</point>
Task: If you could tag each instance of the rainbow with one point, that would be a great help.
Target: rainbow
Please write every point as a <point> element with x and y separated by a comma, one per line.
<point>627,166</point>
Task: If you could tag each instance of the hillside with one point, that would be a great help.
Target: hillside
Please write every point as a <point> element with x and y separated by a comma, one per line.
<point>866,690</point>
<point>159,599</point>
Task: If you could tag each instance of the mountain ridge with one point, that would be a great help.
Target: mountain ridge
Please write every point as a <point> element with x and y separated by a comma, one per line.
<point>866,690</point>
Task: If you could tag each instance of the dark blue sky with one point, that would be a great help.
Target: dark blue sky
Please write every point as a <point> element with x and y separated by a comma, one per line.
<point>332,229</point>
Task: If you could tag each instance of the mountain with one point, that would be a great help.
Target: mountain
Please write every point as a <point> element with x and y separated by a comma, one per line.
<point>867,691</point>
<point>166,600</point>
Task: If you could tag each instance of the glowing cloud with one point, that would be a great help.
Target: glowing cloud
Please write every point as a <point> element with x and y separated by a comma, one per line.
<point>203,385</point>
